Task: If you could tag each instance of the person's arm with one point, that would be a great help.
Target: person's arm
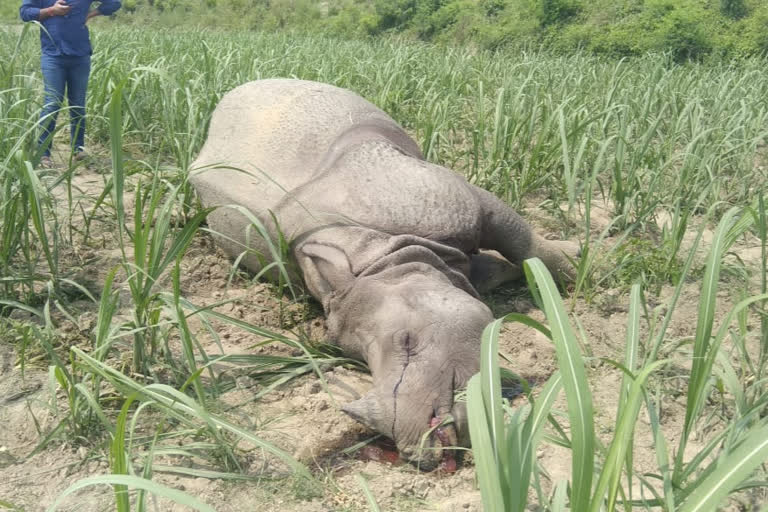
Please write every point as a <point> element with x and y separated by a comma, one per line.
<point>30,10</point>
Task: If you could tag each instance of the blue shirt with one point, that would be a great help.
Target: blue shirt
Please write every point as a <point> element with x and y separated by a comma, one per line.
<point>66,35</point>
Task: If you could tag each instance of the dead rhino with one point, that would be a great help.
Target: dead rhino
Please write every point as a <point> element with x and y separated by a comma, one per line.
<point>383,239</point>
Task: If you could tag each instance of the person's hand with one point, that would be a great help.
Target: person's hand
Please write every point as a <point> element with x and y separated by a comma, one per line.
<point>60,8</point>
<point>91,14</point>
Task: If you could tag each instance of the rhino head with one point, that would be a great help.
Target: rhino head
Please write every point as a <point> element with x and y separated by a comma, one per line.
<point>419,333</point>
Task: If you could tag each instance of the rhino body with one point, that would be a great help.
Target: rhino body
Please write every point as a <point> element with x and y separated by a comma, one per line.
<point>384,240</point>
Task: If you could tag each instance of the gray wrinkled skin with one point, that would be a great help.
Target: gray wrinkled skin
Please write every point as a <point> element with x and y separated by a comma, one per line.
<point>385,240</point>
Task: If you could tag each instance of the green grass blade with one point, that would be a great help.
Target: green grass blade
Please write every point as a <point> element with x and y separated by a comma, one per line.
<point>184,408</point>
<point>480,429</point>
<point>116,151</point>
<point>621,443</point>
<point>702,350</point>
<point>107,308</point>
<point>491,387</point>
<point>560,496</point>
<point>630,363</point>
<point>117,457</point>
<point>633,341</point>
<point>10,506</point>
<point>662,456</point>
<point>732,469</point>
<point>94,405</point>
<point>574,381</point>
<point>187,344</point>
<point>369,498</point>
<point>513,442</point>
<point>182,240</point>
<point>531,435</point>
<point>35,196</point>
<point>24,307</point>
<point>134,482</point>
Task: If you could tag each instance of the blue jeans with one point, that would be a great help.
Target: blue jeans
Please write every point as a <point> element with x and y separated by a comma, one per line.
<point>60,73</point>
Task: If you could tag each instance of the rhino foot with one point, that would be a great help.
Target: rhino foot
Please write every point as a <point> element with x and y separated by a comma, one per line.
<point>558,256</point>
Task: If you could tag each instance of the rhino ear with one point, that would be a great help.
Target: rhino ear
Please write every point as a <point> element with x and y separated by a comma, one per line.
<point>326,269</point>
<point>365,410</point>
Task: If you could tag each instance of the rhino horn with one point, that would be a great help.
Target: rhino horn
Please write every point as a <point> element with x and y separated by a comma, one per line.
<point>365,410</point>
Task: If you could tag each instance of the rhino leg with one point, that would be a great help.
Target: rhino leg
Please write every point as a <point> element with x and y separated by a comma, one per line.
<point>489,270</point>
<point>506,232</point>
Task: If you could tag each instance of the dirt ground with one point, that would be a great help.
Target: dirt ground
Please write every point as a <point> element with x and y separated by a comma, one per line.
<point>302,417</point>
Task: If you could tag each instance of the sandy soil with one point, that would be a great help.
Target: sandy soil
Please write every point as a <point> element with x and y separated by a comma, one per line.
<point>302,417</point>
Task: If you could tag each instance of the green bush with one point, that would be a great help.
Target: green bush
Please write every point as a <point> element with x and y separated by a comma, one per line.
<point>459,20</point>
<point>755,34</point>
<point>130,5</point>
<point>686,29</point>
<point>351,19</point>
<point>682,33</point>
<point>9,10</point>
<point>169,5</point>
<point>394,14</point>
<point>551,12</point>
<point>733,8</point>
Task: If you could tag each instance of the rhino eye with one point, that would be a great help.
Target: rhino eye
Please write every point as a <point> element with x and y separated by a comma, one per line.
<point>408,343</point>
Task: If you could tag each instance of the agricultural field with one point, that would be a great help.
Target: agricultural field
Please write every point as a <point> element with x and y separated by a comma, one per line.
<point>135,355</point>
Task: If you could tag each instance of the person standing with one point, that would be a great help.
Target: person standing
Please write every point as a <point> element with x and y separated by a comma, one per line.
<point>65,63</point>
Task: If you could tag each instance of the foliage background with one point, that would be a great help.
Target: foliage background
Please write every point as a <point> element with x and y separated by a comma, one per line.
<point>688,29</point>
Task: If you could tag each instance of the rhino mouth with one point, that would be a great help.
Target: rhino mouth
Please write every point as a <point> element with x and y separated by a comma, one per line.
<point>445,434</point>
<point>438,449</point>
<point>438,452</point>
